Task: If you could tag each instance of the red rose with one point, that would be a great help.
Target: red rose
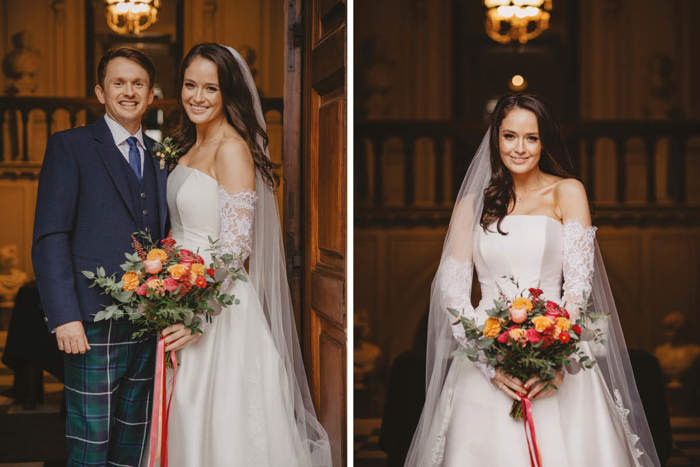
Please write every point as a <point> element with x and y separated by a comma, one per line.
<point>577,329</point>
<point>565,313</point>
<point>534,293</point>
<point>185,253</point>
<point>141,290</point>
<point>533,336</point>
<point>552,310</point>
<point>199,260</point>
<point>503,338</point>
<point>170,284</point>
<point>187,260</point>
<point>185,287</point>
<point>200,282</point>
<point>547,340</point>
<point>168,242</point>
<point>211,272</point>
<point>564,337</point>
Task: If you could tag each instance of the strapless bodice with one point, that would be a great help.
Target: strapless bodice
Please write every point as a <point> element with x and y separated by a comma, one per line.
<point>531,253</point>
<point>194,208</point>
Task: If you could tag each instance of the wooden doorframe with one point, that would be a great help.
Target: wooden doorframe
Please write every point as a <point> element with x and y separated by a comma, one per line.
<point>293,217</point>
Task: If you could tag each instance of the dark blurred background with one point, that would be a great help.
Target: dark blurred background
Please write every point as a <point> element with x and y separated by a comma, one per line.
<point>622,76</point>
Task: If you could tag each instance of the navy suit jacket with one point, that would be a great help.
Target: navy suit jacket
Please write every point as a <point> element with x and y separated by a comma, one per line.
<point>84,219</point>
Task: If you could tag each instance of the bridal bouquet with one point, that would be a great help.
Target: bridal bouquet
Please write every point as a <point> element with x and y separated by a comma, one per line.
<point>528,336</point>
<point>164,285</point>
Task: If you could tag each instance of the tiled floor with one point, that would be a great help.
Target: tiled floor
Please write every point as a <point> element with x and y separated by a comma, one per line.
<point>53,393</point>
<point>686,443</point>
<point>53,389</point>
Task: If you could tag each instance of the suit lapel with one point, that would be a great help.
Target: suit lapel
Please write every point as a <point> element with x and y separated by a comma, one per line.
<point>113,161</point>
<point>161,182</point>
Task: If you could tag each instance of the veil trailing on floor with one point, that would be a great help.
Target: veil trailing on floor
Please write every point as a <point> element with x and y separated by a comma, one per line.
<point>268,275</point>
<point>612,357</point>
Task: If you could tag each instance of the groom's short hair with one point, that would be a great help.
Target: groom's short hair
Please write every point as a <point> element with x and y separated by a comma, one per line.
<point>128,53</point>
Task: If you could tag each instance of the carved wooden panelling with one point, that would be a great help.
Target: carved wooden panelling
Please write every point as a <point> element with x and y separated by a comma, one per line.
<point>324,180</point>
<point>331,181</point>
<point>652,272</point>
<point>623,254</point>
<point>17,202</point>
<point>332,408</point>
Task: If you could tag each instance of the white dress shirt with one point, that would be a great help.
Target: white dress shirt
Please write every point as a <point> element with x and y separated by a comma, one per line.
<point>120,135</point>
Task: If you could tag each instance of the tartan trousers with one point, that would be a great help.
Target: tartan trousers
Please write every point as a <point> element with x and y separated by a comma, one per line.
<point>108,396</point>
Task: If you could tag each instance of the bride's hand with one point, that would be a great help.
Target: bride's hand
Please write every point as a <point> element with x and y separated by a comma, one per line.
<point>178,336</point>
<point>536,388</point>
<point>510,385</point>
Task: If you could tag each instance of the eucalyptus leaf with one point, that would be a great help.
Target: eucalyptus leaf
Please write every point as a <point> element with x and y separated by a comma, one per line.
<point>484,343</point>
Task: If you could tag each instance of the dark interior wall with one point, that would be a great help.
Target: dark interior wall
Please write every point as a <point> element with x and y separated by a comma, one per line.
<point>549,62</point>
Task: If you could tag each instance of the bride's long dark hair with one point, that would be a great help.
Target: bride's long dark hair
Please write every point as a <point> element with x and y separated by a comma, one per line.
<point>554,157</point>
<point>237,103</point>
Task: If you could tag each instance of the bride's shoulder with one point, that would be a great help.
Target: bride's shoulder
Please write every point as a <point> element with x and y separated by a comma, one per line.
<point>233,147</point>
<point>571,200</point>
<point>569,187</point>
<point>234,164</point>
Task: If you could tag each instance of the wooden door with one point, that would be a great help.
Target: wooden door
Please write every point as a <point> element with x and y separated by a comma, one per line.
<point>324,180</point>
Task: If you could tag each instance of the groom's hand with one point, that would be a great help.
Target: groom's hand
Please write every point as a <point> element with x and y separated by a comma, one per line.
<point>71,338</point>
<point>178,336</point>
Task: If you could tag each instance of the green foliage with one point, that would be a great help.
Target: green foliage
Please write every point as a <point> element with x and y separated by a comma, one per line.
<point>156,310</point>
<point>524,359</point>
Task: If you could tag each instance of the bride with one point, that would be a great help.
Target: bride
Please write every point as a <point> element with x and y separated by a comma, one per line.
<point>241,397</point>
<point>520,215</point>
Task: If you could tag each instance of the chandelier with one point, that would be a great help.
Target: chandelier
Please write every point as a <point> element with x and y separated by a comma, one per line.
<point>131,16</point>
<point>516,20</point>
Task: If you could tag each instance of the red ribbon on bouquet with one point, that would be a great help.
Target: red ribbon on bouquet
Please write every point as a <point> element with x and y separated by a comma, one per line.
<point>159,417</point>
<point>528,422</point>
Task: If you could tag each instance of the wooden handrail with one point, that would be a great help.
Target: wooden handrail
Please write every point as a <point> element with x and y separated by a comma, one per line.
<point>465,137</point>
<point>11,107</point>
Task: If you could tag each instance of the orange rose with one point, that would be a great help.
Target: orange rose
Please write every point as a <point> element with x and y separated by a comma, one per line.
<point>541,322</point>
<point>176,271</point>
<point>198,269</point>
<point>492,327</point>
<point>157,253</point>
<point>556,333</point>
<point>155,284</point>
<point>193,278</point>
<point>130,281</point>
<point>517,334</point>
<point>563,324</point>
<point>522,303</point>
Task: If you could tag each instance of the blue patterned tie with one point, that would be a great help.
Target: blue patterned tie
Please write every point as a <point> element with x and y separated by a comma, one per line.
<point>134,156</point>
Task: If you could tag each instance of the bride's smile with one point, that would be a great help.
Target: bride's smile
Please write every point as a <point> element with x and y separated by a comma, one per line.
<point>519,141</point>
<point>201,96</point>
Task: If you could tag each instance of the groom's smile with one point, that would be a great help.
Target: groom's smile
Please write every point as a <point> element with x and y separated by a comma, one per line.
<point>126,92</point>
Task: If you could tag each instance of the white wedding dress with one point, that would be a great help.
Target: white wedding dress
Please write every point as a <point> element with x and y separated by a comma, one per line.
<point>581,424</point>
<point>230,407</point>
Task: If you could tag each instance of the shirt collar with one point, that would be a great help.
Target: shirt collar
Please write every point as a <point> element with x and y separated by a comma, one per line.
<point>120,134</point>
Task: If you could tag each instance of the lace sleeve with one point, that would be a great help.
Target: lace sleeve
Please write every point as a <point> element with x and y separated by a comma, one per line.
<point>236,218</point>
<point>579,257</point>
<point>455,284</point>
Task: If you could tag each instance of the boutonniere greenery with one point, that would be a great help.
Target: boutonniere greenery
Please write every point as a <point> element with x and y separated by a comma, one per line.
<point>167,152</point>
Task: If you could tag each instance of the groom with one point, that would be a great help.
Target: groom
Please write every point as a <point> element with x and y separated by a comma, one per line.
<point>99,184</point>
